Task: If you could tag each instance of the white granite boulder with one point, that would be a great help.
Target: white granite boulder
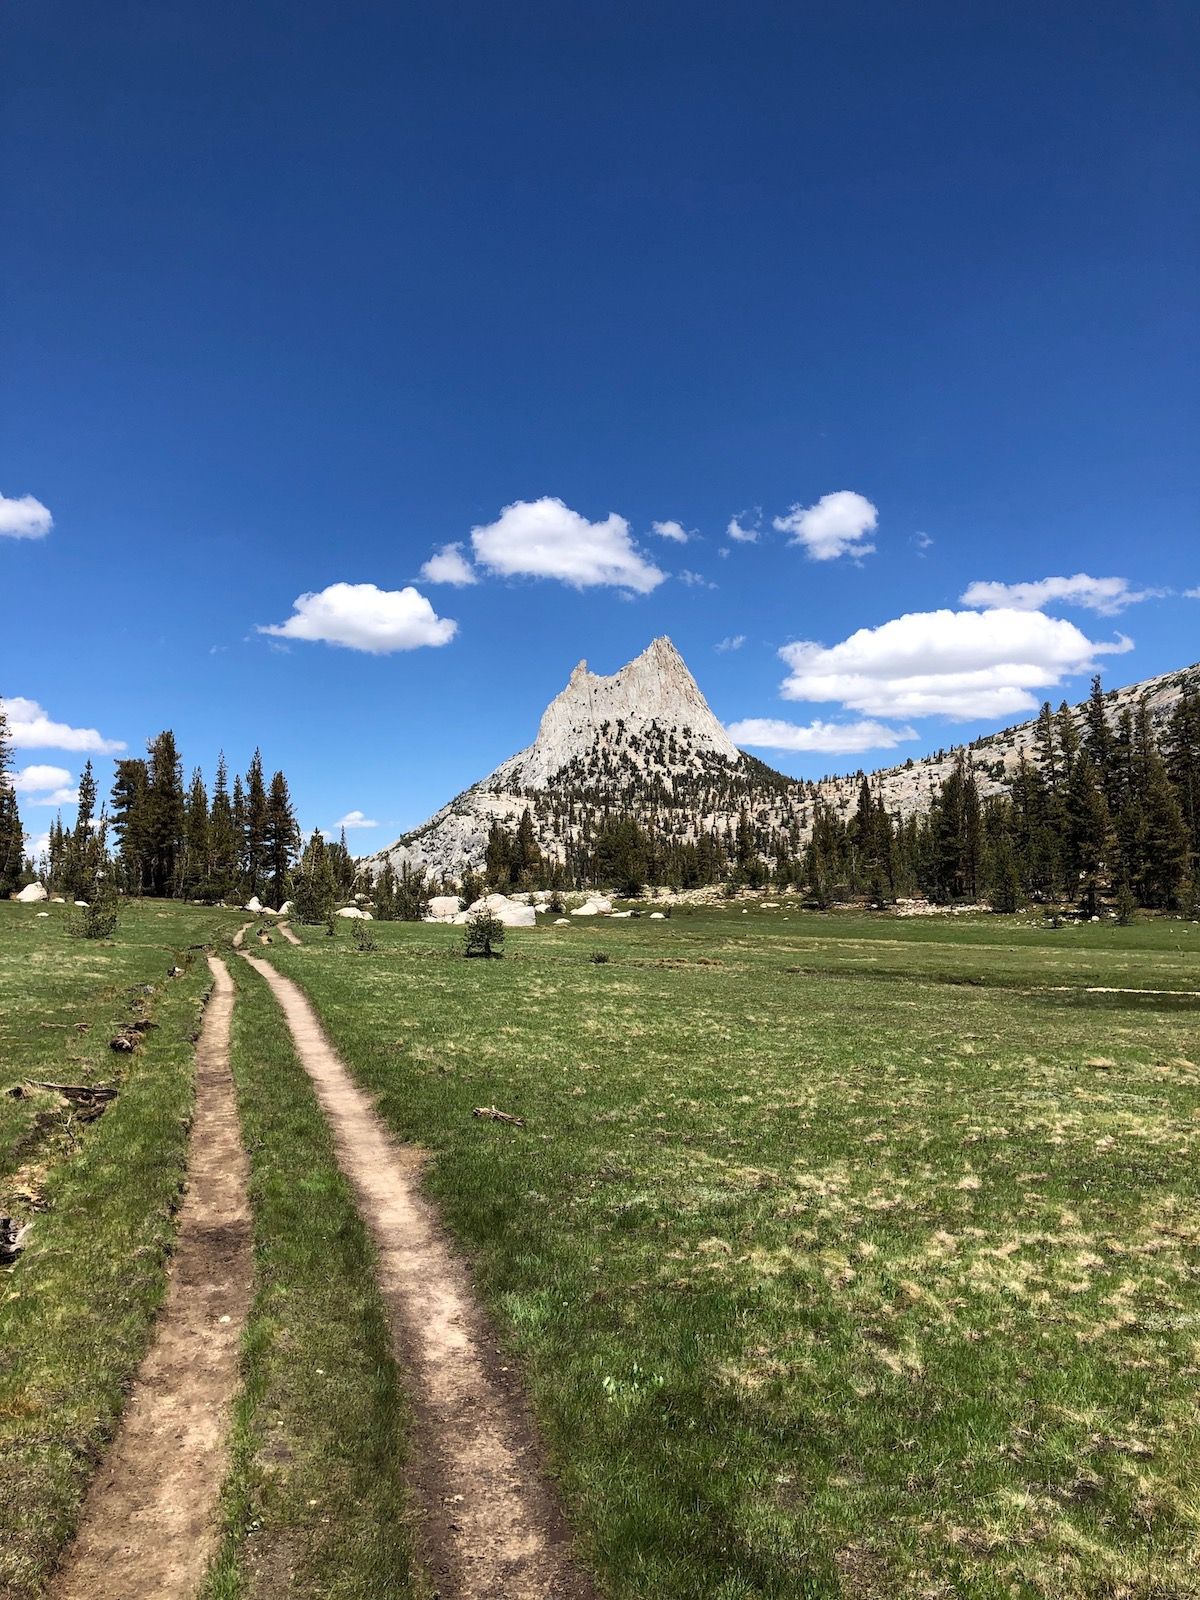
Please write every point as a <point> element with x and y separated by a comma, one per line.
<point>509,912</point>
<point>32,894</point>
<point>443,908</point>
<point>357,913</point>
<point>596,905</point>
<point>253,904</point>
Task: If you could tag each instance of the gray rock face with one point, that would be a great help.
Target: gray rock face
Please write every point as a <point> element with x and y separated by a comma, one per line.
<point>654,691</point>
<point>649,720</point>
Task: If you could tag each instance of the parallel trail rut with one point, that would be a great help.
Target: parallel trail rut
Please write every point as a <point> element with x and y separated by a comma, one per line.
<point>149,1527</point>
<point>492,1528</point>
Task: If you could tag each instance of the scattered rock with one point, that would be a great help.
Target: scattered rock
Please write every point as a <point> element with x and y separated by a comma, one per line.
<point>32,894</point>
<point>253,904</point>
<point>356,912</point>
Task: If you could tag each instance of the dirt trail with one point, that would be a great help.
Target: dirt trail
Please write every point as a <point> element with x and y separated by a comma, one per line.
<point>148,1526</point>
<point>288,934</point>
<point>492,1527</point>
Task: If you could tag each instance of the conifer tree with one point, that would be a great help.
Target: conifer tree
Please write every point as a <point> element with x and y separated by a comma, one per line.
<point>1089,832</point>
<point>313,891</point>
<point>195,863</point>
<point>131,824</point>
<point>255,850</point>
<point>164,812</point>
<point>281,838</point>
<point>238,808</point>
<point>12,835</point>
<point>223,846</point>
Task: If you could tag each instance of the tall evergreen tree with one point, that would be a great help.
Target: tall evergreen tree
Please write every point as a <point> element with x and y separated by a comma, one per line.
<point>1089,832</point>
<point>131,824</point>
<point>195,881</point>
<point>12,835</point>
<point>223,841</point>
<point>165,812</point>
<point>281,838</point>
<point>255,851</point>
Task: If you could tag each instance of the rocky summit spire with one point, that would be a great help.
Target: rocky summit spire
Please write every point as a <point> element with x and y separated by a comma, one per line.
<point>655,691</point>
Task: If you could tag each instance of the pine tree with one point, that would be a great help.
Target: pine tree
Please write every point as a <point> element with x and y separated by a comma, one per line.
<point>164,813</point>
<point>131,824</point>
<point>1089,832</point>
<point>77,857</point>
<point>255,847</point>
<point>1182,753</point>
<point>281,838</point>
<point>223,839</point>
<point>12,834</point>
<point>313,891</point>
<point>238,808</point>
<point>195,864</point>
<point>1167,838</point>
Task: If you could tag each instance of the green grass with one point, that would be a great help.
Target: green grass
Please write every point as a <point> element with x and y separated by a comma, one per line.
<point>844,1256</point>
<point>315,1502</point>
<point>76,1311</point>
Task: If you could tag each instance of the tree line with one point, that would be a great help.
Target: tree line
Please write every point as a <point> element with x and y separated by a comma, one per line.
<point>1098,808</point>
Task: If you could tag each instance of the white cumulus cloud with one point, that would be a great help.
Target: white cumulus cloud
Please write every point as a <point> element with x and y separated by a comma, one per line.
<point>1107,596</point>
<point>772,733</point>
<point>675,531</point>
<point>355,819</point>
<point>838,525</point>
<point>960,664</point>
<point>24,518</point>
<point>360,616</point>
<point>449,565</point>
<point>39,776</point>
<point>31,729</point>
<point>546,539</point>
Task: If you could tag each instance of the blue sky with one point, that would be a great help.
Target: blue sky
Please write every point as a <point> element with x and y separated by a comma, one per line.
<point>297,296</point>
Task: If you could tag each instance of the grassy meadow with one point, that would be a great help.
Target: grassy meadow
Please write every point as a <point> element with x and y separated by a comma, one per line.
<point>844,1255</point>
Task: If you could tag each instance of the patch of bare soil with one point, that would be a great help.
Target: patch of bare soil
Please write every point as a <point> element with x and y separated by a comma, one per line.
<point>148,1527</point>
<point>492,1528</point>
<point>287,933</point>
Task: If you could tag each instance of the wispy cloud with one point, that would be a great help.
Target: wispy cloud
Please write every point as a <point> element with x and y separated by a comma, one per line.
<point>1106,596</point>
<point>449,565</point>
<point>830,738</point>
<point>355,819</point>
<point>360,616</point>
<point>743,529</point>
<point>695,580</point>
<point>734,641</point>
<point>675,531</point>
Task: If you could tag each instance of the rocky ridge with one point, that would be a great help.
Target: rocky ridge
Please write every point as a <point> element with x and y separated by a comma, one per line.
<point>645,741</point>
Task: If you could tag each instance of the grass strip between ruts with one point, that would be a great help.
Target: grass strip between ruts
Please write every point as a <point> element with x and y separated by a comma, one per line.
<point>315,1502</point>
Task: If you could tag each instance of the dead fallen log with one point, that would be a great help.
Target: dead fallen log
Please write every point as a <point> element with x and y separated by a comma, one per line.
<point>493,1114</point>
<point>79,1091</point>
